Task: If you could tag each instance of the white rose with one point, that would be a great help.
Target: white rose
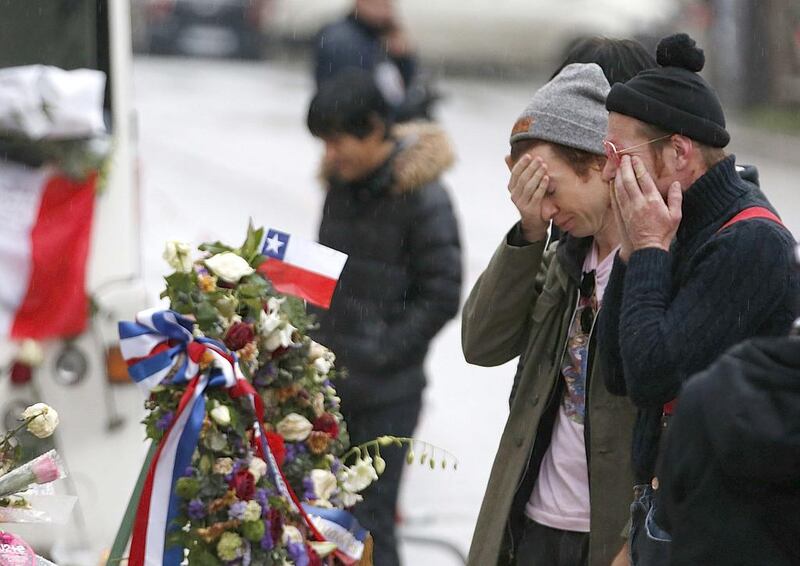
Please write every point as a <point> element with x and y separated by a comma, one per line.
<point>324,483</point>
<point>294,427</point>
<point>30,353</point>
<point>360,476</point>
<point>45,421</point>
<point>221,415</point>
<point>258,468</point>
<point>279,338</point>
<point>316,350</point>
<point>291,534</point>
<point>229,267</point>
<point>222,466</point>
<point>322,366</point>
<point>178,255</point>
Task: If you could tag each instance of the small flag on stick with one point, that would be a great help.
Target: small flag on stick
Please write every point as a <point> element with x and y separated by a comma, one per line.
<point>301,267</point>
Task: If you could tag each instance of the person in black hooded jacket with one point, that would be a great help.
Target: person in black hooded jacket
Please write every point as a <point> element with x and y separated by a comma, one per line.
<point>730,470</point>
<point>388,210</point>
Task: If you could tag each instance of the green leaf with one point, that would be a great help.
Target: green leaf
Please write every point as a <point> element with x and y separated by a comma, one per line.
<point>250,249</point>
<point>214,248</point>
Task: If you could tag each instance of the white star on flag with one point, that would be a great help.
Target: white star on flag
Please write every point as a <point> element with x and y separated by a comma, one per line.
<point>274,244</point>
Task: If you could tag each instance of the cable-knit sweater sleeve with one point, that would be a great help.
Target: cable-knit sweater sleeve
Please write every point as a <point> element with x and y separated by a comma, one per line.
<point>735,285</point>
<point>608,330</point>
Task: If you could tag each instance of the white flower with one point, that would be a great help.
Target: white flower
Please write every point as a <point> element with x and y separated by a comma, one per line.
<point>229,267</point>
<point>294,427</point>
<point>349,499</point>
<point>279,338</point>
<point>322,366</point>
<point>178,255</point>
<point>258,468</point>
<point>222,466</point>
<point>221,415</point>
<point>324,484</point>
<point>316,350</point>
<point>360,476</point>
<point>291,534</point>
<point>268,322</point>
<point>252,512</point>
<point>45,421</point>
<point>318,403</point>
<point>30,353</point>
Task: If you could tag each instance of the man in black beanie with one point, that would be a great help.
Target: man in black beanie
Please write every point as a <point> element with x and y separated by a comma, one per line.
<point>705,262</point>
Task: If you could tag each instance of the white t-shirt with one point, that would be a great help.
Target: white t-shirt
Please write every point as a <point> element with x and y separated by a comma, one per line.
<point>560,498</point>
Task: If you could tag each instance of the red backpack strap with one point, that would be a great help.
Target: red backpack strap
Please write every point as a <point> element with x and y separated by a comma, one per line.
<point>746,214</point>
<point>752,212</point>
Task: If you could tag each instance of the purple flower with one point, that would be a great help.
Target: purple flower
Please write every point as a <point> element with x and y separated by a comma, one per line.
<point>336,465</point>
<point>197,509</point>
<point>308,489</point>
<point>189,472</point>
<point>262,498</point>
<point>236,511</point>
<point>165,420</point>
<point>266,542</point>
<point>294,449</point>
<point>297,552</point>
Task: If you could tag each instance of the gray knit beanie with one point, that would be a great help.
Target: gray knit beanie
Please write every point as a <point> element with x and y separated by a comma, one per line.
<point>570,110</point>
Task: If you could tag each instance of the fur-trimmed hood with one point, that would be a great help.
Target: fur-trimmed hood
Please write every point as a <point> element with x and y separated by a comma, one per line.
<point>423,154</point>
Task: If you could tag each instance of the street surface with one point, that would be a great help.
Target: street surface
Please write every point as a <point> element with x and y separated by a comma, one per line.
<point>223,141</point>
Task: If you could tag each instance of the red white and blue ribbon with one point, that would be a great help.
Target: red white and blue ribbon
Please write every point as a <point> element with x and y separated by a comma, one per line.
<point>160,348</point>
<point>341,528</point>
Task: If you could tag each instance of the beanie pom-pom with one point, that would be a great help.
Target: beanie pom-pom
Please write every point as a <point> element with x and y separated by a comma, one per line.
<point>680,50</point>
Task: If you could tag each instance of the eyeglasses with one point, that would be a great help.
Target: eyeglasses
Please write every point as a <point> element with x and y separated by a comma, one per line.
<point>615,155</point>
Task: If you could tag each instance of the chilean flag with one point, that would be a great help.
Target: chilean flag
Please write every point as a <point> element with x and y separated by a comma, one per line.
<point>45,231</point>
<point>301,268</point>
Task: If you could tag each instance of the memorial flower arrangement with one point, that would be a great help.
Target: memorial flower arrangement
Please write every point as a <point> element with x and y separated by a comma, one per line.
<point>243,402</point>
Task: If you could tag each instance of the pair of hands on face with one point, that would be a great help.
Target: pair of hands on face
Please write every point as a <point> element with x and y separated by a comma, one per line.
<point>644,218</point>
<point>527,187</point>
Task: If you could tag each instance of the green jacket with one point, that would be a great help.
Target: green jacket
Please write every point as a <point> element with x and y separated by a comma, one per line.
<point>510,312</point>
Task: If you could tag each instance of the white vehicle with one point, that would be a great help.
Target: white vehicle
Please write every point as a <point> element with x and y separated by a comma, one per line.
<point>512,32</point>
<point>99,437</point>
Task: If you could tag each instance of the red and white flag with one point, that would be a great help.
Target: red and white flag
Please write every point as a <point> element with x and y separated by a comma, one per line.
<point>301,267</point>
<point>45,231</point>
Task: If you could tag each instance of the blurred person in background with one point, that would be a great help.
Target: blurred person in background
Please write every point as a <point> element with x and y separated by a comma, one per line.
<point>692,277</point>
<point>538,300</point>
<point>732,450</point>
<point>372,38</point>
<point>388,210</point>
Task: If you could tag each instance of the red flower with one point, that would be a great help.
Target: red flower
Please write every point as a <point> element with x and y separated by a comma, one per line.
<point>275,525</point>
<point>21,373</point>
<point>244,484</point>
<point>277,446</point>
<point>239,335</point>
<point>326,422</point>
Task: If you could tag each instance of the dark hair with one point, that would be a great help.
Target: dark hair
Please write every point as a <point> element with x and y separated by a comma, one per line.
<point>578,160</point>
<point>620,59</point>
<point>348,103</point>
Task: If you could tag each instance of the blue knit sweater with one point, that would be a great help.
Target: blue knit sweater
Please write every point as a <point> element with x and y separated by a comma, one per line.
<point>667,315</point>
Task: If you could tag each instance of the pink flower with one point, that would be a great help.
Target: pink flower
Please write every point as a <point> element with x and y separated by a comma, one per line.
<point>46,469</point>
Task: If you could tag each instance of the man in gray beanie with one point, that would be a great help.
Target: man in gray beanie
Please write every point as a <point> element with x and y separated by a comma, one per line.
<point>559,490</point>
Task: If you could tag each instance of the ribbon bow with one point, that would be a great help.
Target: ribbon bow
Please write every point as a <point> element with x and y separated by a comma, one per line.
<point>159,347</point>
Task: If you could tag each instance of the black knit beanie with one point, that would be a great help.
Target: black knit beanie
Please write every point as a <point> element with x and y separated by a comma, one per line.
<point>673,96</point>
